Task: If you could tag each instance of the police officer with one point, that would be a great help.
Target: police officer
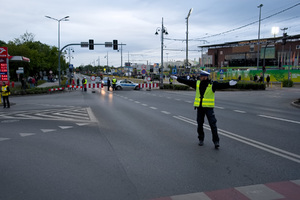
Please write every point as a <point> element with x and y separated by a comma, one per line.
<point>85,84</point>
<point>114,82</point>
<point>205,102</point>
<point>5,93</point>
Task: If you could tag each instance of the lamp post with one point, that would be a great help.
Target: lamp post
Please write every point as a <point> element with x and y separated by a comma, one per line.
<point>163,31</point>
<point>66,18</point>
<point>275,31</point>
<point>187,39</point>
<point>258,41</point>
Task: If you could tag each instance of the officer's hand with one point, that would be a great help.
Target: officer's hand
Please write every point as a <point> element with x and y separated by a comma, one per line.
<point>232,83</point>
<point>174,77</point>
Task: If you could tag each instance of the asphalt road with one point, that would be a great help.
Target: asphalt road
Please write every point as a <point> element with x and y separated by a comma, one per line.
<point>143,144</point>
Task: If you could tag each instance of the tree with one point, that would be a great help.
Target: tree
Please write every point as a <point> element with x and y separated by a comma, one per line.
<point>43,58</point>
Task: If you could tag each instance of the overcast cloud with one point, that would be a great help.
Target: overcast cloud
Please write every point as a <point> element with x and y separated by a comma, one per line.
<point>134,22</point>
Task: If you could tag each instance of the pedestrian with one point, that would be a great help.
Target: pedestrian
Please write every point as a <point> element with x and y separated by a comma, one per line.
<point>268,80</point>
<point>114,83</point>
<point>83,81</point>
<point>108,84</point>
<point>5,94</point>
<point>170,80</point>
<point>255,78</point>
<point>73,84</point>
<point>85,84</point>
<point>78,82</point>
<point>205,102</point>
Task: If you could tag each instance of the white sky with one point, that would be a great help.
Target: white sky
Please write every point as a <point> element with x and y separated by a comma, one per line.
<point>134,22</point>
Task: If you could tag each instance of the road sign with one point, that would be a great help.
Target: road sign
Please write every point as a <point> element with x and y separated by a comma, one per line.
<point>93,78</point>
<point>144,71</point>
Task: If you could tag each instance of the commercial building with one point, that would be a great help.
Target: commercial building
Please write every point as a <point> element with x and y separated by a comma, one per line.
<point>275,52</point>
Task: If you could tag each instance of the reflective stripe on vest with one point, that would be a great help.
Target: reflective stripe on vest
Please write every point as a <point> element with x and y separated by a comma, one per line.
<point>208,99</point>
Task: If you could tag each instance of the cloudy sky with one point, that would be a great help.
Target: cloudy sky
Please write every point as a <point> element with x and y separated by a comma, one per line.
<point>134,23</point>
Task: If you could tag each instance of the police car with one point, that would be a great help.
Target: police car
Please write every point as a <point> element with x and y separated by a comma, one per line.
<point>127,84</point>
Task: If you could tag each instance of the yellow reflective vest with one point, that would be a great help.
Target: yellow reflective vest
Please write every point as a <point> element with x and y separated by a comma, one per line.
<point>114,81</point>
<point>208,100</point>
<point>5,91</point>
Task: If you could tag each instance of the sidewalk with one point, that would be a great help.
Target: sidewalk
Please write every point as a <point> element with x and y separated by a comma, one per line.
<point>48,84</point>
<point>287,190</point>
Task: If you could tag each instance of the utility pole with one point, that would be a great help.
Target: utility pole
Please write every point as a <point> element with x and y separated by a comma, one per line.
<point>258,41</point>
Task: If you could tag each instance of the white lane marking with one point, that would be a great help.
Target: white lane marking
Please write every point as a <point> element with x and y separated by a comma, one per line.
<point>137,102</point>
<point>239,111</point>
<point>65,127</point>
<point>26,134</point>
<point>166,112</point>
<point>82,124</point>
<point>144,104</point>
<point>154,108</point>
<point>188,102</point>
<point>219,107</point>
<point>281,119</point>
<point>256,144</point>
<point>47,130</point>
<point>3,139</point>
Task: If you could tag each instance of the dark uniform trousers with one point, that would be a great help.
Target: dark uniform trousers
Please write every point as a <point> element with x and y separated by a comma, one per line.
<point>209,112</point>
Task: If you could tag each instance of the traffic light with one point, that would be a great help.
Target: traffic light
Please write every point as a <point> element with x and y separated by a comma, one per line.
<point>91,44</point>
<point>115,44</point>
<point>284,38</point>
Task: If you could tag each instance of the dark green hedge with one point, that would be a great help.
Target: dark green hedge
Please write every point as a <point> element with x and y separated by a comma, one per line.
<point>287,83</point>
<point>239,85</point>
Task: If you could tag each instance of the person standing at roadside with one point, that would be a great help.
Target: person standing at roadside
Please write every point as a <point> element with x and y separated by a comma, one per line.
<point>205,103</point>
<point>114,83</point>
<point>268,80</point>
<point>5,94</point>
<point>83,81</point>
<point>85,84</point>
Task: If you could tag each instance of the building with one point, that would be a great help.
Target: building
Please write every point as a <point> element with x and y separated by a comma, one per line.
<point>275,52</point>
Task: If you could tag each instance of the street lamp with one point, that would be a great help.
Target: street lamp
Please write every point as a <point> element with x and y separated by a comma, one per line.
<point>163,31</point>
<point>258,41</point>
<point>275,31</point>
<point>66,18</point>
<point>187,37</point>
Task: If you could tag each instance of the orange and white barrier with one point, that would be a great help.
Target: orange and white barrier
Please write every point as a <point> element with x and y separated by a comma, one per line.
<point>149,85</point>
<point>56,89</point>
<point>89,85</point>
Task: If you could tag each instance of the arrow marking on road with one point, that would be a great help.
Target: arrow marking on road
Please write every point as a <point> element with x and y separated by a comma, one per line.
<point>26,134</point>
<point>3,139</point>
<point>65,127</point>
<point>82,124</point>
<point>48,130</point>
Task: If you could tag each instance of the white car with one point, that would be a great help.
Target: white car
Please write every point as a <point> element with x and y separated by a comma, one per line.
<point>127,84</point>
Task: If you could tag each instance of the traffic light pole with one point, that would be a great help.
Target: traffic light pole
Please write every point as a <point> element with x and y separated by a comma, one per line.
<point>76,44</point>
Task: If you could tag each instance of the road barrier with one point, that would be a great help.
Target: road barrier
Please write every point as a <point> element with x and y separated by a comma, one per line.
<point>89,85</point>
<point>56,89</point>
<point>149,85</point>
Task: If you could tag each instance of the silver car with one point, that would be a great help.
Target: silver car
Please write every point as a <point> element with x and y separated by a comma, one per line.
<point>127,84</point>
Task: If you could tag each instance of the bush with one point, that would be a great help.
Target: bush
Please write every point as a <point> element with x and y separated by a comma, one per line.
<point>250,86</point>
<point>287,83</point>
<point>176,87</point>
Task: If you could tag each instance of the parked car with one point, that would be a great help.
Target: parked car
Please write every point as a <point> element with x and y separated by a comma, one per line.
<point>104,81</point>
<point>127,84</point>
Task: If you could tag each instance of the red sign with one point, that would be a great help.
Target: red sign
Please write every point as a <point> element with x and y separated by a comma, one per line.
<point>3,52</point>
<point>3,72</point>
